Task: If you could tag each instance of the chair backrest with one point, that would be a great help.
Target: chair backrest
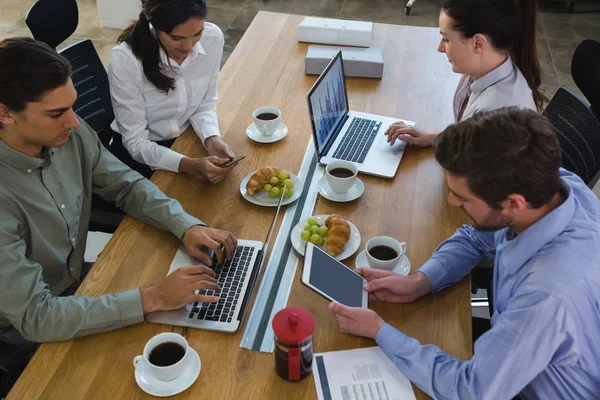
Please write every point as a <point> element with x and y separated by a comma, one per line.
<point>578,132</point>
<point>585,69</point>
<point>53,21</point>
<point>89,77</point>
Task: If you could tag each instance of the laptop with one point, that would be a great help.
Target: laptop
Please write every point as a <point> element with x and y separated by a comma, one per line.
<point>341,134</point>
<point>236,278</point>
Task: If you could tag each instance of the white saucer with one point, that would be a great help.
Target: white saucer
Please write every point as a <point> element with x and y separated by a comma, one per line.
<point>253,133</point>
<point>402,268</point>
<point>155,387</point>
<point>354,193</point>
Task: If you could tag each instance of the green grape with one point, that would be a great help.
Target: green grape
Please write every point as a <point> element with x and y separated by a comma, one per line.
<point>307,228</point>
<point>288,183</point>
<point>314,230</point>
<point>323,231</point>
<point>274,192</point>
<point>305,235</point>
<point>317,240</point>
<point>312,221</point>
<point>274,180</point>
<point>268,187</point>
<point>283,175</point>
<point>288,192</point>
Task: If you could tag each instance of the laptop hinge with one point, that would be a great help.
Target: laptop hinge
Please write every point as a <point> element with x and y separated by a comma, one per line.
<point>334,136</point>
<point>251,283</point>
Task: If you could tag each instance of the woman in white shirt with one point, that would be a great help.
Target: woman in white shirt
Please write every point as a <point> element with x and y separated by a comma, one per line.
<point>163,78</point>
<point>493,44</point>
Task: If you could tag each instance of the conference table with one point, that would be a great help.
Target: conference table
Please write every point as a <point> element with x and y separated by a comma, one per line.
<point>267,68</point>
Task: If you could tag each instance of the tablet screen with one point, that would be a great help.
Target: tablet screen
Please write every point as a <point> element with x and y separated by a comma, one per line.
<point>335,279</point>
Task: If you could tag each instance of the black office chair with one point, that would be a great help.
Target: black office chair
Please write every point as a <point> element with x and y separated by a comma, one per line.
<point>93,105</point>
<point>585,69</point>
<point>53,21</point>
<point>578,132</point>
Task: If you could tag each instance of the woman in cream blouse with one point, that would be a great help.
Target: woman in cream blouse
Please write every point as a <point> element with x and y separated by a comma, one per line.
<point>493,44</point>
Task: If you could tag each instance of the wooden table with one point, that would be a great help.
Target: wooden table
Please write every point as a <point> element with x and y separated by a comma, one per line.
<point>267,68</point>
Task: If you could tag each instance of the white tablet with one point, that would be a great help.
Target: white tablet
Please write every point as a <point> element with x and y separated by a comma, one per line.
<point>332,279</point>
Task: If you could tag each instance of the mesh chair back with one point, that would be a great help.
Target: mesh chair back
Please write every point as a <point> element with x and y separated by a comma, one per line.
<point>585,69</point>
<point>53,21</point>
<point>578,133</point>
<point>94,106</point>
<point>89,77</point>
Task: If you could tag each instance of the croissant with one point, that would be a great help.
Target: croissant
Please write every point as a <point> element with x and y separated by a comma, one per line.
<point>260,179</point>
<point>338,234</point>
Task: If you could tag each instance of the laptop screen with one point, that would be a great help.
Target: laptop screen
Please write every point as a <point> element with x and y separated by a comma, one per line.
<point>328,102</point>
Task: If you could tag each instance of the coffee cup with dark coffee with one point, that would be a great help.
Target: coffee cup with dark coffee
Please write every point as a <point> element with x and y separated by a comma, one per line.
<point>383,252</point>
<point>341,175</point>
<point>165,356</point>
<point>267,120</point>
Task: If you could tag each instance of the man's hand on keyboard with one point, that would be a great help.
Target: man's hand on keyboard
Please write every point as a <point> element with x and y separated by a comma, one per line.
<point>216,239</point>
<point>179,288</point>
<point>356,320</point>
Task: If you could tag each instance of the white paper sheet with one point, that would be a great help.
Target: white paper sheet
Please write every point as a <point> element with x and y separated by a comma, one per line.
<point>360,374</point>
<point>96,242</point>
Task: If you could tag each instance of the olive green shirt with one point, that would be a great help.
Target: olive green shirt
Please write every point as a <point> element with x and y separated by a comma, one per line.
<point>44,215</point>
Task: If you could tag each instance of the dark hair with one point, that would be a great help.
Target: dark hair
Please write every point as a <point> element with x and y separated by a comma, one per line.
<point>510,25</point>
<point>164,15</point>
<point>506,151</point>
<point>28,69</point>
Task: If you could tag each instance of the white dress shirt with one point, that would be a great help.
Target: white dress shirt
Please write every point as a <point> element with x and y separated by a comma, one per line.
<point>503,87</point>
<point>144,114</point>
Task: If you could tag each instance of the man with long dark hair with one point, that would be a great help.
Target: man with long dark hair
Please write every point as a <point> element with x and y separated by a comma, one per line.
<point>542,226</point>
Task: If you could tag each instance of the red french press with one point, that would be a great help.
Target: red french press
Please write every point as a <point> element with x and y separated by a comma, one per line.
<point>293,327</point>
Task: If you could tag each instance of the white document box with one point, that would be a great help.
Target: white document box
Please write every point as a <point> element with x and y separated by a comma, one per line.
<point>335,31</point>
<point>358,62</point>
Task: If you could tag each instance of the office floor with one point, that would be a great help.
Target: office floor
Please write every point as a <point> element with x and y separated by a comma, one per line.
<point>558,34</point>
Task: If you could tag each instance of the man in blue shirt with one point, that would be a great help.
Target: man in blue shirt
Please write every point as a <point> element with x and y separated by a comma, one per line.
<point>541,224</point>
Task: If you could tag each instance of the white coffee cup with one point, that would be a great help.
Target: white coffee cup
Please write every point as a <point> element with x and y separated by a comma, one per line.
<point>267,127</point>
<point>341,185</point>
<point>167,373</point>
<point>399,247</point>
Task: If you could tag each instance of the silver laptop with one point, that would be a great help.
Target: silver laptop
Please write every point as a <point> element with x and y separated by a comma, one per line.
<point>341,134</point>
<point>236,278</point>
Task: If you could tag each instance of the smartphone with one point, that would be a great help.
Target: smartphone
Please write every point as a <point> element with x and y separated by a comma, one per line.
<point>232,162</point>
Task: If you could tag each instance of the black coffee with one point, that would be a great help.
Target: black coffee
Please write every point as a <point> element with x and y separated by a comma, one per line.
<point>383,253</point>
<point>166,354</point>
<point>266,116</point>
<point>341,172</point>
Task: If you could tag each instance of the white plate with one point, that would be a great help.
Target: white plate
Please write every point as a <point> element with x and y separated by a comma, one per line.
<point>262,198</point>
<point>155,387</point>
<point>355,191</point>
<point>253,133</point>
<point>402,268</point>
<point>300,245</point>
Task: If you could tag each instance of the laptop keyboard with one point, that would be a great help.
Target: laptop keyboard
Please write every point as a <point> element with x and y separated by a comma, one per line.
<point>358,140</point>
<point>230,278</point>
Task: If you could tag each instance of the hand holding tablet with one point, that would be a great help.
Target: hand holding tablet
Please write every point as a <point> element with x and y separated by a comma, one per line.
<point>332,279</point>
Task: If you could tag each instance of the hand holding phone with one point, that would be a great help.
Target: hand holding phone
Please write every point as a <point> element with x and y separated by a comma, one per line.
<point>232,162</point>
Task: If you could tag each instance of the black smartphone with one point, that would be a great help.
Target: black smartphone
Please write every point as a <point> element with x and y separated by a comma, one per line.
<point>232,162</point>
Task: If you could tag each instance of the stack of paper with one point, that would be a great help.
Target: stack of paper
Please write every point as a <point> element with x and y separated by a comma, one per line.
<point>359,374</point>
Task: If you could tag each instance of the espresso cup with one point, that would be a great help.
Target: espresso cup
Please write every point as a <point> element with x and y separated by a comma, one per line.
<point>270,121</point>
<point>384,245</point>
<point>338,175</point>
<point>164,373</point>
